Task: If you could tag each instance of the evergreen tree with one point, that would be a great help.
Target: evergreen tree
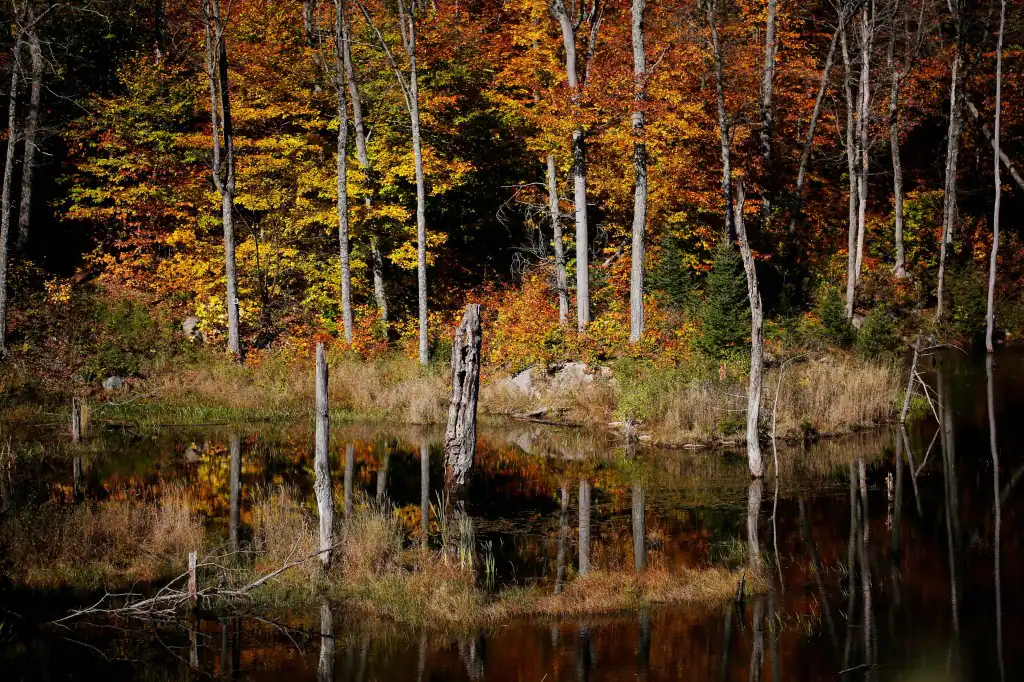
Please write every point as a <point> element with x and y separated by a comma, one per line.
<point>725,315</point>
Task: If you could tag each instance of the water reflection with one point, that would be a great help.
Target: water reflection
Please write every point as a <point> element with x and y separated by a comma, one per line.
<point>894,593</point>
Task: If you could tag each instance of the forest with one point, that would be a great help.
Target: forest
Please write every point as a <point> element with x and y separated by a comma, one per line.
<point>715,274</point>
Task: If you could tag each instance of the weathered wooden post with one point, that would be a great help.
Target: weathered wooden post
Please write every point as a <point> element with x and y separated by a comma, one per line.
<point>77,420</point>
<point>192,582</point>
<point>460,436</point>
<point>321,465</point>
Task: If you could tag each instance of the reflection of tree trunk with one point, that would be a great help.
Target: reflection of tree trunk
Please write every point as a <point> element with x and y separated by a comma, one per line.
<point>910,463</point>
<point>757,642</point>
<point>897,520</point>
<point>583,655</point>
<point>950,486</point>
<point>754,491</point>
<point>723,669</point>
<point>425,490</point>
<point>472,654</point>
<point>865,570</point>
<point>421,665</point>
<point>382,473</point>
<point>350,467</point>
<point>643,645</point>
<point>996,506</point>
<point>236,491</point>
<point>325,669</point>
<point>851,569</point>
<point>364,658</point>
<point>639,528</point>
<point>563,536</point>
<point>76,472</point>
<point>584,563</point>
<point>808,538</point>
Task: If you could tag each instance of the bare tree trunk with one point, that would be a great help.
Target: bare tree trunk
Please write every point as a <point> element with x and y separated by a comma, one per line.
<point>340,39</point>
<point>900,268</point>
<point>867,32</point>
<point>407,16</point>
<point>949,208</point>
<point>308,12</point>
<point>754,492</point>
<point>561,282</point>
<point>754,459</point>
<point>5,199</point>
<point>1015,173</point>
<point>321,463</point>
<point>636,280</point>
<point>996,504</point>
<point>31,125</point>
<point>584,529</point>
<point>767,78</point>
<point>853,171</point>
<point>376,259</point>
<point>805,156</point>
<point>223,169</point>
<point>723,120</point>
<point>990,313</point>
<point>460,434</point>
<point>579,157</point>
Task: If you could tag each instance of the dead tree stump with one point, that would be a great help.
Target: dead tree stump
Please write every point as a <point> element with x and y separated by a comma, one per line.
<point>321,465</point>
<point>460,436</point>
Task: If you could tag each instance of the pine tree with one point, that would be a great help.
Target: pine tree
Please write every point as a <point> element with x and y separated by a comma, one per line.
<point>725,315</point>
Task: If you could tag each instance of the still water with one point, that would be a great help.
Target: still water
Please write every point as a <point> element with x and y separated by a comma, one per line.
<point>891,556</point>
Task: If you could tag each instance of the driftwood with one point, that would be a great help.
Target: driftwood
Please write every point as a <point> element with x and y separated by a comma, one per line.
<point>460,435</point>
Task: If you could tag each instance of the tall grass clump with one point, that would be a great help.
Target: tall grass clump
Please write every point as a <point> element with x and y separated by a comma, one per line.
<point>111,544</point>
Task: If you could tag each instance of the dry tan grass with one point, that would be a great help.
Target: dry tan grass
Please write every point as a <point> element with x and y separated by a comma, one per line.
<point>111,544</point>
<point>276,384</point>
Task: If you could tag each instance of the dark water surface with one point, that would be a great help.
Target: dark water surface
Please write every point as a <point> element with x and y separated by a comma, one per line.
<point>890,558</point>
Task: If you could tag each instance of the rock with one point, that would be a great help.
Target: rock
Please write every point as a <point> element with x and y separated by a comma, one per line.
<point>524,383</point>
<point>858,322</point>
<point>191,328</point>
<point>113,383</point>
<point>570,376</point>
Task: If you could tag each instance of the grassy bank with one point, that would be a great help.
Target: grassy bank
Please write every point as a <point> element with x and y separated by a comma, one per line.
<point>700,402</point>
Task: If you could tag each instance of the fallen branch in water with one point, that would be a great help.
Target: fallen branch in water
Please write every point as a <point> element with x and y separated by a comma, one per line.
<point>171,599</point>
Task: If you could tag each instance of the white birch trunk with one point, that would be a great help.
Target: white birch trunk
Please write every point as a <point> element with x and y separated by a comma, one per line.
<point>863,125</point>
<point>31,125</point>
<point>636,277</point>
<point>754,459</point>
<point>723,122</point>
<point>5,197</point>
<point>561,281</point>
<point>949,208</point>
<point>853,170</point>
<point>767,87</point>
<point>990,312</point>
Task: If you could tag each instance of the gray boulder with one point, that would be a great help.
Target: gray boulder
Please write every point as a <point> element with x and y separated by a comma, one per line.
<point>191,329</point>
<point>113,383</point>
<point>524,383</point>
<point>570,376</point>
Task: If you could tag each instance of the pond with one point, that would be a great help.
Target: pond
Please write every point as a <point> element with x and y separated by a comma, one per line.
<point>889,555</point>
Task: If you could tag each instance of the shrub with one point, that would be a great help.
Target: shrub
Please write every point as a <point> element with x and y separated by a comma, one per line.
<point>832,313</point>
<point>725,315</point>
<point>879,334</point>
<point>968,304</point>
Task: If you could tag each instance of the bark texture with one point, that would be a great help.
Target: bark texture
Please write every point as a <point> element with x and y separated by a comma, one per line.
<point>321,463</point>
<point>867,36</point>
<point>460,434</point>
<point>561,281</point>
<point>767,88</point>
<point>5,194</point>
<point>754,458</point>
<point>35,83</point>
<point>636,279</point>
<point>990,312</point>
<point>223,161</point>
<point>949,207</point>
<point>340,39</point>
<point>853,171</point>
<point>724,124</point>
